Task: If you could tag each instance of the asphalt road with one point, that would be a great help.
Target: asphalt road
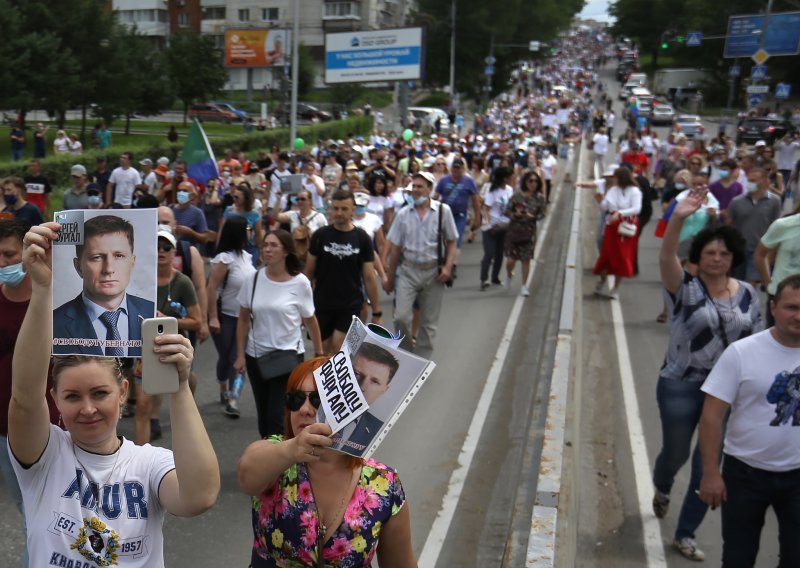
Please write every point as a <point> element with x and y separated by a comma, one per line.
<point>610,532</point>
<point>424,446</point>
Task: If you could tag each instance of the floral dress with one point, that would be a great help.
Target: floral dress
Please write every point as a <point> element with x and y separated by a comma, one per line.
<point>517,246</point>
<point>285,520</point>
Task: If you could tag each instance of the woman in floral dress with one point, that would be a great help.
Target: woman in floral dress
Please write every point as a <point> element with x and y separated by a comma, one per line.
<point>313,506</point>
<point>525,208</point>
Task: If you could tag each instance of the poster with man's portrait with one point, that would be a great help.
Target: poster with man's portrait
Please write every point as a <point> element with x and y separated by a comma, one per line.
<point>388,378</point>
<point>104,281</point>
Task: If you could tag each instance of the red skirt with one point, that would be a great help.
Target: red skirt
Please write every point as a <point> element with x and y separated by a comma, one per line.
<point>617,253</point>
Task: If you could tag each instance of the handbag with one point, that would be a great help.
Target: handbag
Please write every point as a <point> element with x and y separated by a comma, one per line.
<point>276,363</point>
<point>626,229</point>
<point>520,234</point>
<point>440,260</point>
<point>498,230</point>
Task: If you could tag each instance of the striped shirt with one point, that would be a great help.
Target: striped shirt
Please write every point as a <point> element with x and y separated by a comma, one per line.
<point>417,237</point>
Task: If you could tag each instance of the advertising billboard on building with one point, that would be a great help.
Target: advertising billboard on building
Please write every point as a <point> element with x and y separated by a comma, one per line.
<point>379,55</point>
<point>257,48</point>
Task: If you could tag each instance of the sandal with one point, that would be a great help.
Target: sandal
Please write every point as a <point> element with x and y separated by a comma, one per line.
<point>662,318</point>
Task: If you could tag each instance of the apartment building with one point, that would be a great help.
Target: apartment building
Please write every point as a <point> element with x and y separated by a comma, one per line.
<point>161,18</point>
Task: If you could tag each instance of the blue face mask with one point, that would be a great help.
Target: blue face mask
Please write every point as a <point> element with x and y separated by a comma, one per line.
<point>680,186</point>
<point>10,199</point>
<point>12,275</point>
<point>409,200</point>
<point>293,200</point>
<point>95,200</point>
<point>421,200</point>
<point>183,197</point>
<point>723,174</point>
<point>361,209</point>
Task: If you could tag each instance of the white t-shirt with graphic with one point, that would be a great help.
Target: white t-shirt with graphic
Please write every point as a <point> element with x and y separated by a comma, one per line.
<point>748,375</point>
<point>370,223</point>
<point>67,526</point>
<point>240,269</point>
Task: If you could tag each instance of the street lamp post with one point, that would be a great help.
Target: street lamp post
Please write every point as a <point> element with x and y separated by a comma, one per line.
<point>295,73</point>
<point>453,53</point>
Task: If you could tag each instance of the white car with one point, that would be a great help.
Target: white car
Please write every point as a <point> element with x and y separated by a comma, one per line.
<point>662,113</point>
<point>425,119</point>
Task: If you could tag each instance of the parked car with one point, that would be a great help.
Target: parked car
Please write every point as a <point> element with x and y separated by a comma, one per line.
<point>643,99</point>
<point>209,111</point>
<point>689,125</point>
<point>305,111</point>
<point>228,106</point>
<point>625,91</point>
<point>662,113</point>
<point>425,119</point>
<point>751,130</point>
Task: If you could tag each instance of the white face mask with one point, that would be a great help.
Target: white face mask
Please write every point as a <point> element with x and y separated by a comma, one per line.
<point>752,187</point>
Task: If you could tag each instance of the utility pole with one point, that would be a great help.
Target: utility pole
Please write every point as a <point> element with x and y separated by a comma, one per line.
<point>402,86</point>
<point>453,54</point>
<point>295,73</point>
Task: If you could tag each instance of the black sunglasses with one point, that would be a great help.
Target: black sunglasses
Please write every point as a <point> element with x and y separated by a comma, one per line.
<point>296,399</point>
<point>165,247</point>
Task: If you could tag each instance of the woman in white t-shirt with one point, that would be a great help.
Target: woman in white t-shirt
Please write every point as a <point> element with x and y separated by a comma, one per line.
<point>61,143</point>
<point>495,225</point>
<point>304,214</point>
<point>380,202</point>
<point>90,496</point>
<point>273,306</point>
<point>232,266</point>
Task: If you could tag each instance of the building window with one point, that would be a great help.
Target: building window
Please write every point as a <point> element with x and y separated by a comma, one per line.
<point>219,41</point>
<point>341,10</point>
<point>183,20</point>
<point>269,14</point>
<point>214,13</point>
<point>244,15</point>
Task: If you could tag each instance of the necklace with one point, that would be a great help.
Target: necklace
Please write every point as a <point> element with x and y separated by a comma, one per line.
<point>93,485</point>
<point>322,528</point>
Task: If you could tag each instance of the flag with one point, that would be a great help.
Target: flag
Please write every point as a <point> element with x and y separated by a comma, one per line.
<point>198,155</point>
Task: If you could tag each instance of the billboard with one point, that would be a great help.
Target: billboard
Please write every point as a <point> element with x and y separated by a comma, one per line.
<point>379,55</point>
<point>257,48</point>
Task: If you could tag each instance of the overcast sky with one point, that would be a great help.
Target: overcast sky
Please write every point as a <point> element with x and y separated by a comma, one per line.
<point>596,9</point>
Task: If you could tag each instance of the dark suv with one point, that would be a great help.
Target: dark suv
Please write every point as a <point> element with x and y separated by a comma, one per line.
<point>304,112</point>
<point>751,130</point>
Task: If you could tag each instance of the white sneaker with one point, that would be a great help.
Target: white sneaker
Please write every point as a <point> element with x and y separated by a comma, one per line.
<point>613,294</point>
<point>507,283</point>
<point>688,548</point>
<point>524,292</point>
<point>600,288</point>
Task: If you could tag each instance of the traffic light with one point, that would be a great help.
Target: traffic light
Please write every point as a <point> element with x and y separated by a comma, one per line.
<point>680,39</point>
<point>664,45</point>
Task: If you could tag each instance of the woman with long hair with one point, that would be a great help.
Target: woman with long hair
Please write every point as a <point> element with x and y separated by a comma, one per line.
<point>313,505</point>
<point>622,204</point>
<point>244,207</point>
<point>524,209</point>
<point>274,303</point>
<point>230,269</point>
<point>380,202</point>
<point>495,225</point>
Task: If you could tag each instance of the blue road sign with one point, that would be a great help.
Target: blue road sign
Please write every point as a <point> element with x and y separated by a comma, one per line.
<point>744,37</point>
<point>694,39</point>
<point>782,90</point>
<point>489,70</point>
<point>755,99</point>
<point>735,71</point>
<point>758,72</point>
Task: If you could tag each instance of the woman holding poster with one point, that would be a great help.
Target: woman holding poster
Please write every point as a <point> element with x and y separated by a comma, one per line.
<point>90,496</point>
<point>314,506</point>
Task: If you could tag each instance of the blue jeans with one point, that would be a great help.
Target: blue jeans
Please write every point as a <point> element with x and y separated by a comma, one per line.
<point>461,224</point>
<point>12,487</point>
<point>17,154</point>
<point>493,248</point>
<point>680,404</point>
<point>750,492</point>
<point>225,342</point>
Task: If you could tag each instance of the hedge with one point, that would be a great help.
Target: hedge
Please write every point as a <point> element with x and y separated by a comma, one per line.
<point>57,168</point>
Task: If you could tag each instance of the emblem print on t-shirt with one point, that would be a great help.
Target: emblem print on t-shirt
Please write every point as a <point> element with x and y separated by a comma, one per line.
<point>785,395</point>
<point>341,251</point>
<point>97,542</point>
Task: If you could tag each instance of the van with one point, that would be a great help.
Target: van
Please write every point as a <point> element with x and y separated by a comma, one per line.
<point>639,78</point>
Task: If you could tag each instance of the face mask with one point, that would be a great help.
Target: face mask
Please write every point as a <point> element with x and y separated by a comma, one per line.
<point>409,200</point>
<point>135,202</point>
<point>361,209</point>
<point>723,174</point>
<point>95,200</point>
<point>10,199</point>
<point>421,200</point>
<point>226,175</point>
<point>680,186</point>
<point>293,200</point>
<point>752,187</point>
<point>183,197</point>
<point>12,275</point>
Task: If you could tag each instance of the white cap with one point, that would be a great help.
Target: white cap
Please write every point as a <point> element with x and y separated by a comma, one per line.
<point>760,143</point>
<point>362,199</point>
<point>77,170</point>
<point>163,161</point>
<point>427,176</point>
<point>169,236</point>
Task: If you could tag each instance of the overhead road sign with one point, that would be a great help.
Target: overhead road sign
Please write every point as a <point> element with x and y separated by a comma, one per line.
<point>754,100</point>
<point>735,71</point>
<point>760,89</point>
<point>782,90</point>
<point>694,39</point>
<point>743,38</point>
<point>758,72</point>
<point>393,54</point>
<point>534,46</point>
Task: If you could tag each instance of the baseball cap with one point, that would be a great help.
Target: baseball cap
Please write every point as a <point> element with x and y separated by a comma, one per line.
<point>457,163</point>
<point>163,234</point>
<point>101,158</point>
<point>362,200</point>
<point>760,143</point>
<point>146,162</point>
<point>162,170</point>
<point>351,165</point>
<point>77,170</point>
<point>163,161</point>
<point>427,176</point>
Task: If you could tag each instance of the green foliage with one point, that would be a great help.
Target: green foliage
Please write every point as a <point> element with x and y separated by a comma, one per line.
<point>195,66</point>
<point>305,71</point>
<point>511,22</point>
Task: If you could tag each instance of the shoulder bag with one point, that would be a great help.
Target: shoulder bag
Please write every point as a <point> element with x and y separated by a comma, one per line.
<point>276,363</point>
<point>440,259</point>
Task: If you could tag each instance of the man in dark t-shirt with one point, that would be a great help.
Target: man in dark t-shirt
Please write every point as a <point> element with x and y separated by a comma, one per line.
<point>340,257</point>
<point>37,187</point>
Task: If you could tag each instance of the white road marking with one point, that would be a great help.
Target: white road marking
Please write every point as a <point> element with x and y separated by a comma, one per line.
<point>441,524</point>
<point>651,530</point>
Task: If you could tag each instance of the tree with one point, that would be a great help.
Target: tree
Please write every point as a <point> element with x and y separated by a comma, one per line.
<point>196,68</point>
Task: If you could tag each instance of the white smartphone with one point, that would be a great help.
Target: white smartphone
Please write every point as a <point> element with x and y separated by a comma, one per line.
<point>157,377</point>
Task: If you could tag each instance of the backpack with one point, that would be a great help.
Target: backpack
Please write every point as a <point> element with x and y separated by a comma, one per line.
<point>185,252</point>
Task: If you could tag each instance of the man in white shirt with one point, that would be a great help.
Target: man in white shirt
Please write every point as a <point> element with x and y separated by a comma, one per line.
<point>600,149</point>
<point>149,178</point>
<point>757,380</point>
<point>786,154</point>
<point>550,169</point>
<point>123,182</point>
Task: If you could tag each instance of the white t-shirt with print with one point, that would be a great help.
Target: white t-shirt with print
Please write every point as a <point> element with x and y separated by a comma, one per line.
<point>314,221</point>
<point>763,435</point>
<point>278,309</point>
<point>370,223</point>
<point>240,269</point>
<point>497,201</point>
<point>62,512</point>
